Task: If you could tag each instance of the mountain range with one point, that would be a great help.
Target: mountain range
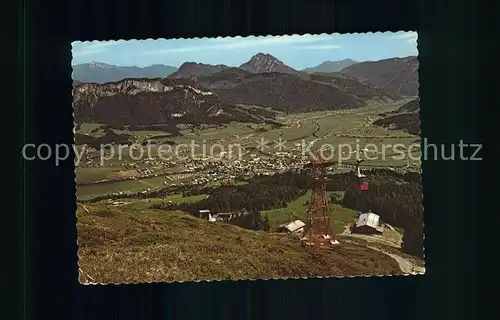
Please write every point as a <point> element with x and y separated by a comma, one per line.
<point>157,101</point>
<point>192,70</point>
<point>99,72</point>
<point>256,92</point>
<point>398,75</point>
<point>330,66</point>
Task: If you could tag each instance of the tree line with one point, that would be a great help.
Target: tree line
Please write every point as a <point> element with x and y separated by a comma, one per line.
<point>251,198</point>
<point>254,196</point>
<point>299,179</point>
<point>338,181</point>
<point>253,220</point>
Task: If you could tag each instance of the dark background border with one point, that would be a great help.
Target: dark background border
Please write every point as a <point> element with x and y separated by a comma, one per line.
<point>46,222</point>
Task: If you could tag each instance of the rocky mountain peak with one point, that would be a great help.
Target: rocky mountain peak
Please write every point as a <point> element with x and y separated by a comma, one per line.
<point>264,62</point>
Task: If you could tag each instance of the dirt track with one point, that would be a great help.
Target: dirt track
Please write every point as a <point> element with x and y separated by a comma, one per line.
<point>406,266</point>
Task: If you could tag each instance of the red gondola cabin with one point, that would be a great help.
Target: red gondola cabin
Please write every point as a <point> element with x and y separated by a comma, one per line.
<point>363,186</point>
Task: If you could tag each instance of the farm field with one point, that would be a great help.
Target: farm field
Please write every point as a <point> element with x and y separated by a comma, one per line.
<point>148,202</point>
<point>85,192</point>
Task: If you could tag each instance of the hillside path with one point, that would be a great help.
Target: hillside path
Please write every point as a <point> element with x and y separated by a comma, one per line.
<point>406,266</point>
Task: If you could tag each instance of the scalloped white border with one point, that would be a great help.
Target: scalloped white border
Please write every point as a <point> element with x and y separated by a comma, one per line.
<point>81,273</point>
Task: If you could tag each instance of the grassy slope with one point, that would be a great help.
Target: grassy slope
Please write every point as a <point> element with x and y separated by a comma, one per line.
<point>417,261</point>
<point>126,246</point>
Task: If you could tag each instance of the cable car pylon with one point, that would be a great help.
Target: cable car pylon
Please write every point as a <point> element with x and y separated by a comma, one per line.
<point>318,229</point>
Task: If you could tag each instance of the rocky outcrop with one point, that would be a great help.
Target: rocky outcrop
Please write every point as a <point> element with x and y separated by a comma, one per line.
<point>193,70</point>
<point>154,101</point>
<point>264,63</point>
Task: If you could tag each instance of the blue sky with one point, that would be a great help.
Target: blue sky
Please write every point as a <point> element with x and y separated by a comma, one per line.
<point>297,51</point>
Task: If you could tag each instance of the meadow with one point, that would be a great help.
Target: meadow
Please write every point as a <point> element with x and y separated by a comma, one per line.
<point>142,245</point>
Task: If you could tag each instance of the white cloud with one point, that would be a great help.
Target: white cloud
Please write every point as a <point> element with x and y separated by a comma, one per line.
<point>408,36</point>
<point>249,42</point>
<point>176,50</point>
<point>88,48</point>
<point>322,47</point>
<point>84,52</point>
<point>269,40</point>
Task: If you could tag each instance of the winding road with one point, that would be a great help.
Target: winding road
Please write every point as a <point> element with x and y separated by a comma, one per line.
<point>406,266</point>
